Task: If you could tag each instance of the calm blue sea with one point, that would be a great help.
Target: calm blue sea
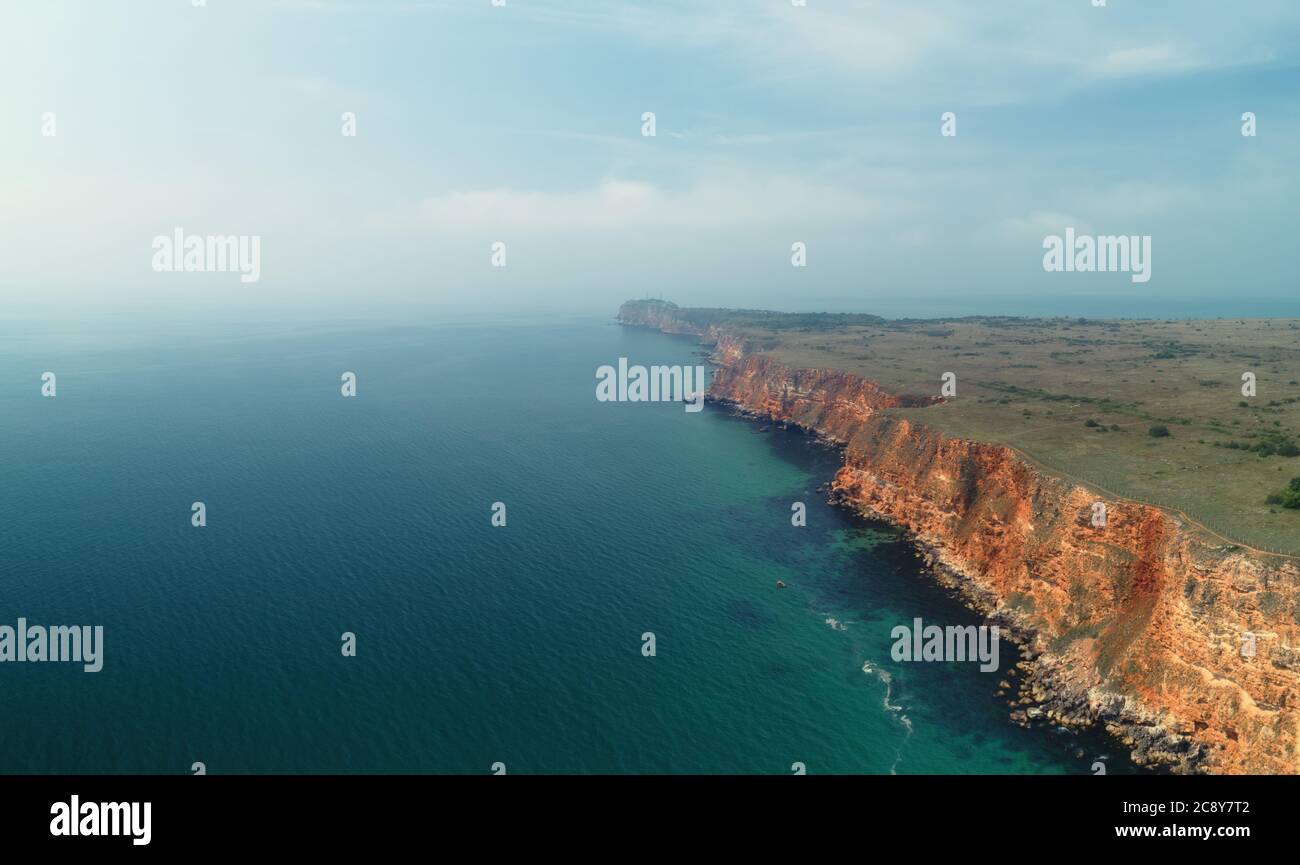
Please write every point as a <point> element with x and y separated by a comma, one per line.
<point>475,644</point>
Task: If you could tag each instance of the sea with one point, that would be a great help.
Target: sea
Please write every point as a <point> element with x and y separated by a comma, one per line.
<point>351,606</point>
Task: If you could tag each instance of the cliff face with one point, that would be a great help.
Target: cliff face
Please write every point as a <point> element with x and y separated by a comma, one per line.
<point>832,402</point>
<point>1137,625</point>
<point>661,314</point>
<point>664,315</point>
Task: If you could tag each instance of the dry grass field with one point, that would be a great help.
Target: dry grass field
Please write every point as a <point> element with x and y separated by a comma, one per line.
<point>1080,398</point>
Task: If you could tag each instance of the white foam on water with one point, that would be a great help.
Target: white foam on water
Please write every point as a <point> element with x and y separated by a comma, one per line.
<point>893,709</point>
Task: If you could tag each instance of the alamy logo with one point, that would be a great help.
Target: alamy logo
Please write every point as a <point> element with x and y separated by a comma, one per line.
<point>953,643</point>
<point>103,818</point>
<point>1087,254</point>
<point>178,253</point>
<point>78,644</point>
<point>653,384</point>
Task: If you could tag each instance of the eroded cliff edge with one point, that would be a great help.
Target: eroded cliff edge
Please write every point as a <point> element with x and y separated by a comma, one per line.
<point>1136,626</point>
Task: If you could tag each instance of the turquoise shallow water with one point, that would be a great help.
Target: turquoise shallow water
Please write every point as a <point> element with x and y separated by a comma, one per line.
<point>475,644</point>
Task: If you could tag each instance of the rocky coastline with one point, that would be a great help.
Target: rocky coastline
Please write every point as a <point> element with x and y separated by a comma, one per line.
<point>1134,628</point>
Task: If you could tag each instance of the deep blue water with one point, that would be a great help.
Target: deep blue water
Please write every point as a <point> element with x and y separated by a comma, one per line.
<point>476,644</point>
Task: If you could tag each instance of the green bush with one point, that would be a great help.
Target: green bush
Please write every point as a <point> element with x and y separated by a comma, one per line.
<point>1158,432</point>
<point>1270,443</point>
<point>1288,498</point>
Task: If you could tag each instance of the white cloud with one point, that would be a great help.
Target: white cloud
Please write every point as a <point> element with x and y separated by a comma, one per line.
<point>912,238</point>
<point>1112,208</point>
<point>1137,198</point>
<point>623,204</point>
<point>972,52</point>
<point>1040,223</point>
<point>1146,60</point>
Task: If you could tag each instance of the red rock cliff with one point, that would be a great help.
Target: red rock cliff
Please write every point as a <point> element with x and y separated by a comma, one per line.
<point>1137,626</point>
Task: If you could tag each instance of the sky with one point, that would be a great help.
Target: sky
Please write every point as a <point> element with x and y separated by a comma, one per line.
<point>522,124</point>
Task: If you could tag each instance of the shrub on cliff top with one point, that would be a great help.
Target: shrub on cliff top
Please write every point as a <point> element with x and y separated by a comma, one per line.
<point>1288,498</point>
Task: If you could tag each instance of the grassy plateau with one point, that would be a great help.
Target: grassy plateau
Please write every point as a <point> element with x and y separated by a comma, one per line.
<point>1150,410</point>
